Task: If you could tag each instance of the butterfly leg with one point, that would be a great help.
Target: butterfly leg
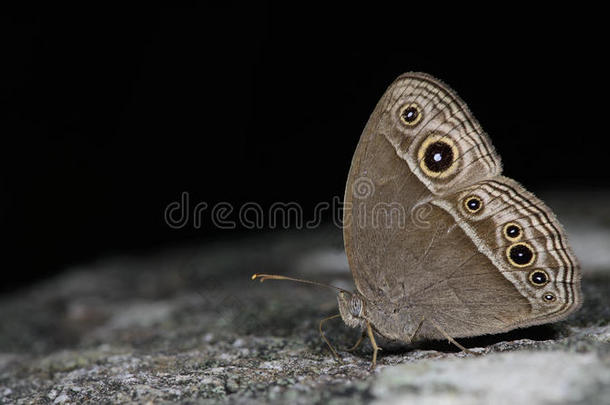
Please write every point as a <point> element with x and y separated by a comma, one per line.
<point>450,339</point>
<point>332,349</point>
<point>362,336</point>
<point>417,329</point>
<point>376,348</point>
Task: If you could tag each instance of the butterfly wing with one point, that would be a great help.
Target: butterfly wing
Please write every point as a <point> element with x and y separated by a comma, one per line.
<point>524,241</point>
<point>411,254</point>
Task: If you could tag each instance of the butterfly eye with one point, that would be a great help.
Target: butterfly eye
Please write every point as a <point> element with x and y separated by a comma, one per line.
<point>355,306</point>
<point>512,232</point>
<point>539,278</point>
<point>473,204</point>
<point>520,254</point>
<point>410,114</point>
<point>549,297</point>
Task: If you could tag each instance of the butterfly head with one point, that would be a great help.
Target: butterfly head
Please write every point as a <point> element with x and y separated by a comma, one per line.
<point>351,308</point>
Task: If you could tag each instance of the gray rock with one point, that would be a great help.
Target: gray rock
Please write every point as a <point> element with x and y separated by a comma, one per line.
<point>188,325</point>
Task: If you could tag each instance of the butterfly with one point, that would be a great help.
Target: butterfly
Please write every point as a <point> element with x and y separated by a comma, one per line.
<point>439,243</point>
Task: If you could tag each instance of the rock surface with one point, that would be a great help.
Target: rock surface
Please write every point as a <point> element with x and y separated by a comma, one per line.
<point>188,325</point>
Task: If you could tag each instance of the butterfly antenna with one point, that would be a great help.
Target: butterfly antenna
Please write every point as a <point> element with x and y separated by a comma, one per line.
<point>264,277</point>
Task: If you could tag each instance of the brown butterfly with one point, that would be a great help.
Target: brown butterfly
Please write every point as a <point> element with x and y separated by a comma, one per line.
<point>440,244</point>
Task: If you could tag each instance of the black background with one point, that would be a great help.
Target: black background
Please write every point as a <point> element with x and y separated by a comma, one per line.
<point>108,115</point>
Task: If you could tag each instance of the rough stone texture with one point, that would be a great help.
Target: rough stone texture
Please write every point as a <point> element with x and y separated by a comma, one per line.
<point>188,325</point>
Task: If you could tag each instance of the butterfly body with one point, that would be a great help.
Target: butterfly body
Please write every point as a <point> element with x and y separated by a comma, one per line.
<point>438,241</point>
